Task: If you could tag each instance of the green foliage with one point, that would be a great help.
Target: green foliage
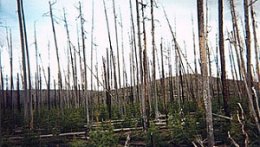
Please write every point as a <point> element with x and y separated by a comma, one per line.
<point>48,119</point>
<point>30,138</point>
<point>78,143</point>
<point>115,112</point>
<point>183,128</point>
<point>153,135</point>
<point>72,119</point>
<point>55,121</point>
<point>102,136</point>
<point>103,113</point>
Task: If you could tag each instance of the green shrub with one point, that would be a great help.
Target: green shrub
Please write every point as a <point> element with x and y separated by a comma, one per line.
<point>30,138</point>
<point>102,136</point>
<point>77,143</point>
<point>183,128</point>
<point>153,135</point>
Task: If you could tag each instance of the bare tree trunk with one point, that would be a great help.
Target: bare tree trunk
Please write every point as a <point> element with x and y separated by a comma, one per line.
<point>1,94</point>
<point>57,55</point>
<point>154,61</point>
<point>195,62</point>
<point>204,71</point>
<point>117,45</point>
<point>18,93</point>
<point>222,58</point>
<point>23,49</point>
<point>145,108</point>
<point>249,72</point>
<point>74,90</point>
<point>112,55</point>
<point>234,71</point>
<point>248,45</point>
<point>85,64</point>
<point>48,89</point>
<point>237,38</point>
<point>135,53</point>
<point>37,70</point>
<point>254,26</point>
<point>163,86</point>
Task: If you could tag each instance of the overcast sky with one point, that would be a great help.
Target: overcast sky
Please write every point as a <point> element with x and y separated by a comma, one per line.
<point>179,12</point>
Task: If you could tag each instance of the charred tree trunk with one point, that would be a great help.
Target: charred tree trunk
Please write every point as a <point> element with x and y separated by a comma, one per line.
<point>23,49</point>
<point>222,58</point>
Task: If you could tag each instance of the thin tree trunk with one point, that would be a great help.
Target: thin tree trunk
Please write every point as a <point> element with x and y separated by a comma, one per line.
<point>37,70</point>
<point>145,108</point>
<point>195,62</point>
<point>248,45</point>
<point>254,26</point>
<point>23,49</point>
<point>57,54</point>
<point>163,86</point>
<point>248,76</point>
<point>154,61</point>
<point>1,94</point>
<point>222,58</point>
<point>72,61</point>
<point>48,89</point>
<point>135,52</point>
<point>18,93</point>
<point>117,45</point>
<point>85,64</point>
<point>204,71</point>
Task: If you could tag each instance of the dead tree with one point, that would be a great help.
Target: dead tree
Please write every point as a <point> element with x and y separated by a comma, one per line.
<point>135,52</point>
<point>72,60</point>
<point>57,54</point>
<point>222,58</point>
<point>163,86</point>
<point>195,61</point>
<point>204,71</point>
<point>143,66</point>
<point>117,45</point>
<point>254,26</point>
<point>37,69</point>
<point>1,94</point>
<point>25,57</point>
<point>154,61</point>
<point>248,44</point>
<point>18,93</point>
<point>85,63</point>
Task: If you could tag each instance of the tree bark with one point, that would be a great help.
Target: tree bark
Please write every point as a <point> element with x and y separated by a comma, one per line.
<point>204,71</point>
<point>222,58</point>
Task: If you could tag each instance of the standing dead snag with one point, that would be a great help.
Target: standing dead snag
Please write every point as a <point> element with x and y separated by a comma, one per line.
<point>144,73</point>
<point>248,45</point>
<point>222,58</point>
<point>135,53</point>
<point>85,63</point>
<point>112,59</point>
<point>24,48</point>
<point>72,61</point>
<point>57,54</point>
<point>37,70</point>
<point>1,96</point>
<point>154,61</point>
<point>204,71</point>
<point>254,26</point>
<point>248,77</point>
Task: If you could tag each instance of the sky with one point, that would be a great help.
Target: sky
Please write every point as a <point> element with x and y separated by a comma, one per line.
<point>180,13</point>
